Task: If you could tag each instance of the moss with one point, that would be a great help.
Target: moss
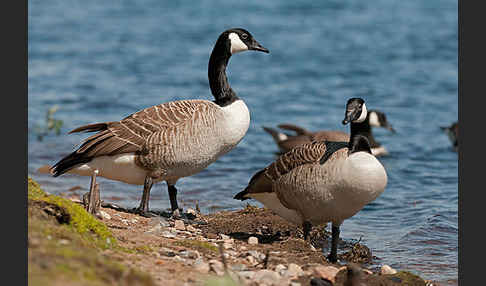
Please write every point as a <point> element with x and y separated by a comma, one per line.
<point>80,220</point>
<point>64,253</point>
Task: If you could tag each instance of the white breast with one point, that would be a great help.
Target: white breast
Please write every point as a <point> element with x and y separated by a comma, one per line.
<point>236,122</point>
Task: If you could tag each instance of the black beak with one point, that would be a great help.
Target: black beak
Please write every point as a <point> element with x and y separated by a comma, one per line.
<point>348,117</point>
<point>257,47</point>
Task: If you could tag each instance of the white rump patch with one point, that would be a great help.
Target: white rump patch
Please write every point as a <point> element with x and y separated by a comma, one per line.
<point>362,117</point>
<point>374,119</point>
<point>237,44</point>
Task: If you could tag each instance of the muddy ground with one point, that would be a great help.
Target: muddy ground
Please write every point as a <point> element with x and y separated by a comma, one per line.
<point>209,249</point>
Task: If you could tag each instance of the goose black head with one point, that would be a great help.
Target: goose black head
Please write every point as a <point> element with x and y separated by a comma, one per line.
<point>378,119</point>
<point>238,40</point>
<point>355,111</point>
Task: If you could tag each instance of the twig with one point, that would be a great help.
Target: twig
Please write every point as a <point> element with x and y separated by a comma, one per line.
<point>221,250</point>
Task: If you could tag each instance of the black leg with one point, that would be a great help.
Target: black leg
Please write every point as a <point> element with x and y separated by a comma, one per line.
<point>306,227</point>
<point>143,209</point>
<point>173,199</point>
<point>334,243</point>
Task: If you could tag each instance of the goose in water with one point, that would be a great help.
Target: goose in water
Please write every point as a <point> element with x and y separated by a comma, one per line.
<point>453,134</point>
<point>171,140</point>
<point>285,142</point>
<point>322,181</point>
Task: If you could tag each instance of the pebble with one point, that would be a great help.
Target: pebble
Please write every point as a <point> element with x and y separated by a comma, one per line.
<point>105,215</point>
<point>238,267</point>
<point>224,236</point>
<point>179,225</point>
<point>243,248</point>
<point>251,260</point>
<point>266,276</point>
<point>227,245</point>
<point>191,211</point>
<point>386,269</point>
<point>279,268</point>
<point>191,228</point>
<point>248,275</point>
<point>63,242</point>
<point>168,234</point>
<point>201,266</point>
<point>216,266</point>
<point>326,272</point>
<point>253,240</point>
<point>293,271</point>
<point>179,259</point>
<point>167,252</point>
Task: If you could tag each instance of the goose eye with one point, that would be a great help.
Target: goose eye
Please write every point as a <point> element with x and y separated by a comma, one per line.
<point>244,36</point>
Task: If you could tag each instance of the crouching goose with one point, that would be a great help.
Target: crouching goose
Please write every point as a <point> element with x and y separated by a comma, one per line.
<point>171,140</point>
<point>453,134</point>
<point>285,142</point>
<point>322,181</point>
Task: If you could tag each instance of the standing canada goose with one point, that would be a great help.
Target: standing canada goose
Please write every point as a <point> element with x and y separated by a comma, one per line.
<point>171,140</point>
<point>285,142</point>
<point>453,133</point>
<point>322,181</point>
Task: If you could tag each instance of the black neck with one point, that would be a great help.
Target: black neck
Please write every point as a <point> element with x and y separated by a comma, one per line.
<point>218,82</point>
<point>364,129</point>
<point>356,142</point>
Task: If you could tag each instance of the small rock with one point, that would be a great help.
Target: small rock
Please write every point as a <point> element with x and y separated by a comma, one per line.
<point>167,252</point>
<point>167,234</point>
<point>238,267</point>
<point>246,275</point>
<point>125,221</point>
<point>179,225</point>
<point>293,271</point>
<point>258,255</point>
<point>227,245</point>
<point>253,240</point>
<point>243,248</point>
<point>326,272</point>
<point>294,284</point>
<point>201,266</point>
<point>224,236</point>
<point>266,276</point>
<point>191,212</point>
<point>193,254</point>
<point>251,260</point>
<point>385,269</point>
<point>216,266</point>
<point>105,215</point>
<point>280,268</point>
<point>179,259</point>
<point>133,220</point>
<point>63,242</point>
<point>191,228</point>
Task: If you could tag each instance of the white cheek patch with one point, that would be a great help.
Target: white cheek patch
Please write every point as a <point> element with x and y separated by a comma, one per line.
<point>236,44</point>
<point>362,117</point>
<point>374,120</point>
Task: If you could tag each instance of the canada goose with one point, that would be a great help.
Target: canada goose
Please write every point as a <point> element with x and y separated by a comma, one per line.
<point>286,142</point>
<point>453,133</point>
<point>171,140</point>
<point>322,181</point>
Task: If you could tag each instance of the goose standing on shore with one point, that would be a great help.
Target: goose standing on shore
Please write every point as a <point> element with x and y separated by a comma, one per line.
<point>168,141</point>
<point>285,142</point>
<point>322,181</point>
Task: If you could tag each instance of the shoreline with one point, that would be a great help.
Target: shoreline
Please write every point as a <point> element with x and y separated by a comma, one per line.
<point>251,246</point>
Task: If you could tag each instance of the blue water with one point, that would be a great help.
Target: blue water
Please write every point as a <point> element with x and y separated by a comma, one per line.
<point>101,61</point>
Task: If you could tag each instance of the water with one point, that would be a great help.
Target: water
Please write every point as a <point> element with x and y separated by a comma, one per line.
<point>101,61</point>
